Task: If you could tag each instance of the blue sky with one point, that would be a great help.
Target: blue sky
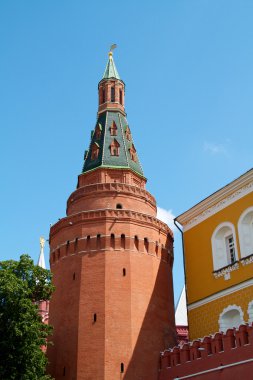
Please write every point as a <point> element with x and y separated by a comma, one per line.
<point>187,65</point>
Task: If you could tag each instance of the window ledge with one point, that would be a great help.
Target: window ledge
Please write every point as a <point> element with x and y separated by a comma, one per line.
<point>247,260</point>
<point>225,270</point>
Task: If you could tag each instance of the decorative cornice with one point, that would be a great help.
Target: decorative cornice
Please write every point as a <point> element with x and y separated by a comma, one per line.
<point>113,214</point>
<point>123,188</point>
<point>220,294</point>
<point>208,207</point>
<point>226,270</point>
<point>247,260</point>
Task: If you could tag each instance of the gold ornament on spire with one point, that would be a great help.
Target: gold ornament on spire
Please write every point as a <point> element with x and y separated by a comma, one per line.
<point>111,49</point>
<point>42,242</point>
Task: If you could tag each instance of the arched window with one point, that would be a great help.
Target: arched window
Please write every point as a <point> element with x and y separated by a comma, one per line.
<point>231,316</point>
<point>224,246</point>
<point>245,228</point>
<point>250,312</point>
<point>120,97</point>
<point>119,206</point>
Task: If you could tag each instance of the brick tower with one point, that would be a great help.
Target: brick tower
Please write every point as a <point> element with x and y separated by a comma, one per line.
<point>113,308</point>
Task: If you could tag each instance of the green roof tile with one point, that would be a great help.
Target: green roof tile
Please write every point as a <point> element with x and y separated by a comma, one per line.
<point>110,70</point>
<point>105,159</point>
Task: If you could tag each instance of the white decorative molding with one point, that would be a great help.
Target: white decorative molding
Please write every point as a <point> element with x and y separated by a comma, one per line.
<point>226,270</point>
<point>207,207</point>
<point>250,311</point>
<point>247,260</point>
<point>221,294</point>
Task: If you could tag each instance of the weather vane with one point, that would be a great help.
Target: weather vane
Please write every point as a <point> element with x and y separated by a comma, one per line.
<point>112,48</point>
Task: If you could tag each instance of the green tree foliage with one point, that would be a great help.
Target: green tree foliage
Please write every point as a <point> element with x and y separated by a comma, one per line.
<point>22,333</point>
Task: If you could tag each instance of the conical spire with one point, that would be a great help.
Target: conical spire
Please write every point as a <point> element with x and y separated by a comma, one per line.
<point>111,143</point>
<point>181,310</point>
<point>110,70</point>
<point>41,260</point>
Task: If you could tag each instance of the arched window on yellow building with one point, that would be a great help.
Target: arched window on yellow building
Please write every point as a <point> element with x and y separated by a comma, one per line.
<point>224,246</point>
<point>231,316</point>
<point>245,229</point>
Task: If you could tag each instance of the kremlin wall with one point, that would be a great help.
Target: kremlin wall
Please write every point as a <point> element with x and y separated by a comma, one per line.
<point>113,308</point>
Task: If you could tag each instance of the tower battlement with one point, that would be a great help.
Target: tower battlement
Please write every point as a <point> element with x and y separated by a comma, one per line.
<point>229,352</point>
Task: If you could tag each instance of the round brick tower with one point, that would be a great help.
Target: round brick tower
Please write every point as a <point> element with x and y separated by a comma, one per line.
<point>113,308</point>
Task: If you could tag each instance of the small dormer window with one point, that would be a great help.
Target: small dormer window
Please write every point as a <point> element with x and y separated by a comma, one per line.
<point>114,147</point>
<point>114,129</point>
<point>112,94</point>
<point>98,131</point>
<point>94,151</point>
<point>128,133</point>
<point>132,152</point>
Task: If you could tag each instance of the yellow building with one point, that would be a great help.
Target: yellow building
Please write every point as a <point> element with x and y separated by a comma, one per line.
<point>218,254</point>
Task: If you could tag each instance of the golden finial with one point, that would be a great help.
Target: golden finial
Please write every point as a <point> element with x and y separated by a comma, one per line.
<point>42,242</point>
<point>111,50</point>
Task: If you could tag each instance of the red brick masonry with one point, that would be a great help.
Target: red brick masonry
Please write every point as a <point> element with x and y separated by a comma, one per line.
<point>224,356</point>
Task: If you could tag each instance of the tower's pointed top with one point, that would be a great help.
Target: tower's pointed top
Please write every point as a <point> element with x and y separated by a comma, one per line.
<point>181,310</point>
<point>41,261</point>
<point>110,70</point>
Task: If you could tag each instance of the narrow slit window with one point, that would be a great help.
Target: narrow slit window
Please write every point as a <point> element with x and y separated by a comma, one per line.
<point>156,249</point>
<point>94,317</point>
<point>124,272</point>
<point>112,241</point>
<point>88,242</point>
<point>120,97</point>
<point>74,276</point>
<point>98,241</point>
<point>136,243</point>
<point>112,94</point>
<point>122,241</point>
<point>146,244</point>
<point>76,243</point>
<point>122,367</point>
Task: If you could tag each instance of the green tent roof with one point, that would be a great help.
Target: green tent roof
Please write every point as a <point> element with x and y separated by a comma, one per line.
<point>110,70</point>
<point>126,155</point>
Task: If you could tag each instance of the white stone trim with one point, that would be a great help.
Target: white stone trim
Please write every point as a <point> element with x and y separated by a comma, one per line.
<point>217,201</point>
<point>221,294</point>
<point>241,233</point>
<point>224,311</point>
<point>221,260</point>
<point>250,311</point>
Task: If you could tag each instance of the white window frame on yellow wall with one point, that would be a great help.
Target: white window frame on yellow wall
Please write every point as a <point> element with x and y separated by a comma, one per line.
<point>230,317</point>
<point>221,247</point>
<point>250,311</point>
<point>245,229</point>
